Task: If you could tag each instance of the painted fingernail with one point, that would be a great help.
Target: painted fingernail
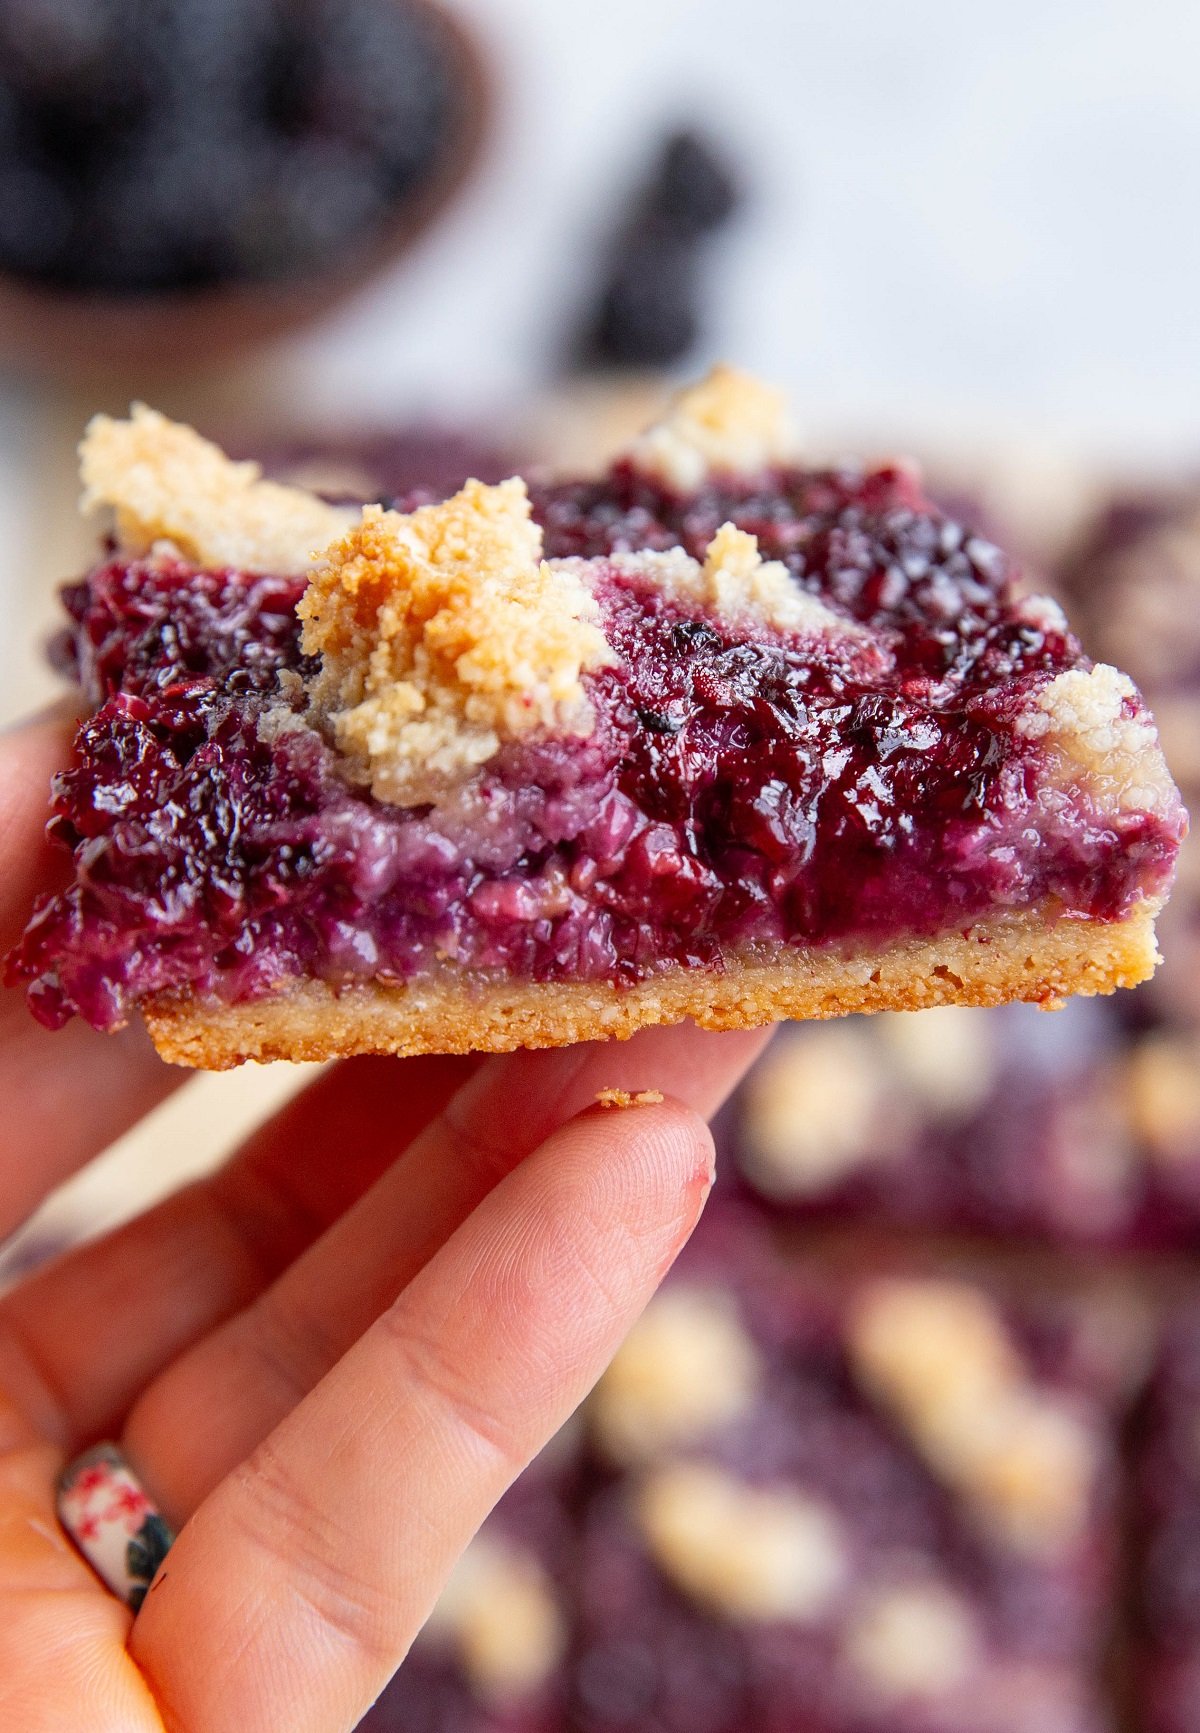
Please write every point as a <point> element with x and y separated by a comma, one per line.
<point>109,1515</point>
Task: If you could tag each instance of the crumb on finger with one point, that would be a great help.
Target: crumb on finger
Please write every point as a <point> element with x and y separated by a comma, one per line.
<point>622,1098</point>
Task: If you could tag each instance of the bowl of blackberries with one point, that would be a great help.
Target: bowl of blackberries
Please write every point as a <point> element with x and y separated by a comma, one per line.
<point>183,176</point>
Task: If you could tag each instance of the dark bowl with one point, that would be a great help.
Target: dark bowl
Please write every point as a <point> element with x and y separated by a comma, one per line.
<point>80,334</point>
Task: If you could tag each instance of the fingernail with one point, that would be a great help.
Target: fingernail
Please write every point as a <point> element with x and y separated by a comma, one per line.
<point>107,1512</point>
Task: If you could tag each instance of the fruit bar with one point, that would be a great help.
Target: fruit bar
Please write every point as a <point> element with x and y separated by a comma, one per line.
<point>711,735</point>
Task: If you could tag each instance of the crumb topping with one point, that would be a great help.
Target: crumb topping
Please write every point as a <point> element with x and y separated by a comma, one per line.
<point>728,423</point>
<point>739,585</point>
<point>1092,724</point>
<point>686,1368</point>
<point>813,1109</point>
<point>1043,613</point>
<point>736,585</point>
<point>622,1098</point>
<point>441,635</point>
<point>913,1639</point>
<point>939,1356</point>
<point>499,1611</point>
<point>168,486</point>
<point>748,1554</point>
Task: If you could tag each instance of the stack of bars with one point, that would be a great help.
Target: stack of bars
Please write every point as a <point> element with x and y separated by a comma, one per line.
<point>910,1441</point>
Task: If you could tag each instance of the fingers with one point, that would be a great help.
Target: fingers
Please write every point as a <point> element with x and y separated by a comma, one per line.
<point>29,757</point>
<point>295,1591</point>
<point>214,1405</point>
<point>66,1095</point>
<point>155,1285</point>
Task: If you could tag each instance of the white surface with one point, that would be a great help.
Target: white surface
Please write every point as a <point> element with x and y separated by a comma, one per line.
<point>980,213</point>
<point>967,218</point>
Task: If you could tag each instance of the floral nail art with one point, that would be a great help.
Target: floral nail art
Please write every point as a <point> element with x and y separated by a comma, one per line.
<point>108,1514</point>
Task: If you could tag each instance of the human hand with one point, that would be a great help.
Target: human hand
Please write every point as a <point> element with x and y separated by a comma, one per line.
<point>327,1361</point>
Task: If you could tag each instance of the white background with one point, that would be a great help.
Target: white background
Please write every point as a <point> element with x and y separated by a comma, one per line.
<point>979,212</point>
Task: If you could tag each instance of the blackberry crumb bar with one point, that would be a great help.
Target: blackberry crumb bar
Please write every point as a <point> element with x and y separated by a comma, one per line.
<point>1085,1132</point>
<point>710,736</point>
<point>881,1502</point>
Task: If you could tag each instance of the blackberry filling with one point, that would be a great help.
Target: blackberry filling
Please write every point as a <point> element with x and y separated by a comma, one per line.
<point>847,736</point>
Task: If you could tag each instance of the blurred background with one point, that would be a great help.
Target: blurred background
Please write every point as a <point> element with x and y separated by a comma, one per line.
<point>940,1333</point>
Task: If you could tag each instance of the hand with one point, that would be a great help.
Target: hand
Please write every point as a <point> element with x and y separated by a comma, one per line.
<point>327,1361</point>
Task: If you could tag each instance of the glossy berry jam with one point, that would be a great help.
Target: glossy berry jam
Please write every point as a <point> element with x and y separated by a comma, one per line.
<point>741,787</point>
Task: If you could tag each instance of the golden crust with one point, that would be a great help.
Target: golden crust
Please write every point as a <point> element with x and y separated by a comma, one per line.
<point>165,484</point>
<point>1013,956</point>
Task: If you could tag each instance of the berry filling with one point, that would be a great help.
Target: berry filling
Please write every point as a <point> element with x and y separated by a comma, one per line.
<point>744,785</point>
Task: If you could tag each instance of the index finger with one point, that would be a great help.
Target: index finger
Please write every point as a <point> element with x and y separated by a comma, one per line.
<point>30,754</point>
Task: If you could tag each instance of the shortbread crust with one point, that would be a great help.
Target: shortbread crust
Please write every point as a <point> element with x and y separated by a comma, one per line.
<point>1002,959</point>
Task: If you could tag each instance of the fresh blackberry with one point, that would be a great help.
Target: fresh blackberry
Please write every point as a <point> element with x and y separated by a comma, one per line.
<point>380,82</point>
<point>324,194</point>
<point>57,48</point>
<point>693,191</point>
<point>173,211</point>
<point>35,218</point>
<point>647,311</point>
<point>647,314</point>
